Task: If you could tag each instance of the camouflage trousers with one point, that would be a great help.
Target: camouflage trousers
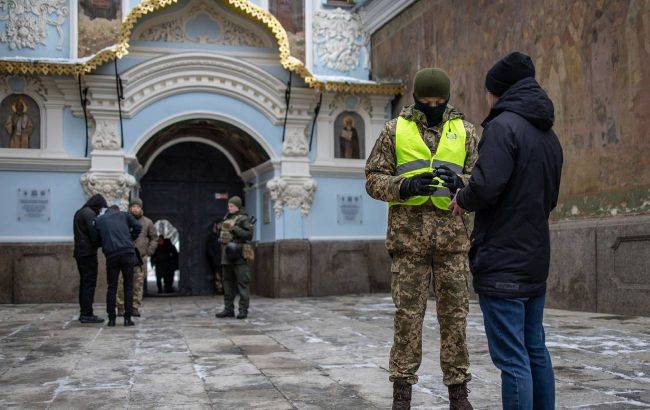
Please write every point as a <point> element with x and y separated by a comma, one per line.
<point>138,286</point>
<point>410,290</point>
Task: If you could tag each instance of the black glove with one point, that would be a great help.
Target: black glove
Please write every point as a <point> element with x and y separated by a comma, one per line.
<point>417,185</point>
<point>451,180</point>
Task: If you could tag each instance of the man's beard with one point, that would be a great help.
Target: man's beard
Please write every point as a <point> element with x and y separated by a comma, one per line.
<point>137,215</point>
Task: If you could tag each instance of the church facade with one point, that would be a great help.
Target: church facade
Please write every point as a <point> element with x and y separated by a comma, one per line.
<point>184,104</point>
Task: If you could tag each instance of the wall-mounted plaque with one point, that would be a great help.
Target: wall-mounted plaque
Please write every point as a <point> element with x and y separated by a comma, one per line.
<point>349,209</point>
<point>33,204</point>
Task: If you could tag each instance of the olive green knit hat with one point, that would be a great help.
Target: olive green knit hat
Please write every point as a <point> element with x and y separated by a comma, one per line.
<point>431,82</point>
<point>235,200</point>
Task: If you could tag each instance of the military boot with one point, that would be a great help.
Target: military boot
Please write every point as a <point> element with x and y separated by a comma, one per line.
<point>111,322</point>
<point>243,314</point>
<point>458,397</point>
<point>128,322</point>
<point>225,313</point>
<point>401,395</point>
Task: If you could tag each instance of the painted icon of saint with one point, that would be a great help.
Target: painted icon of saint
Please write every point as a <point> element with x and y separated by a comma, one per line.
<point>349,139</point>
<point>18,125</point>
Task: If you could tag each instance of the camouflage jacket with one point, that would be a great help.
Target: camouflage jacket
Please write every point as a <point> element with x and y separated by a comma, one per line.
<point>238,228</point>
<point>418,230</point>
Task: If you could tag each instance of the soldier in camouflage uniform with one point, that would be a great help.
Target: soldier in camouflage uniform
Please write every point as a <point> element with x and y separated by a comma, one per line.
<point>146,244</point>
<point>424,241</point>
<point>235,235</point>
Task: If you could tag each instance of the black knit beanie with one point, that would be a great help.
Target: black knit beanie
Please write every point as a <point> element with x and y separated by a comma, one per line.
<point>431,82</point>
<point>510,69</point>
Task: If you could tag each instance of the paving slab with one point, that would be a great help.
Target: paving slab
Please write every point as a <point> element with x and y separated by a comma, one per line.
<point>307,353</point>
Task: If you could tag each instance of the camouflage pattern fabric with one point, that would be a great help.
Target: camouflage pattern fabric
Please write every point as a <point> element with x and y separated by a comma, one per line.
<point>410,289</point>
<point>236,279</point>
<point>417,237</point>
<point>138,287</point>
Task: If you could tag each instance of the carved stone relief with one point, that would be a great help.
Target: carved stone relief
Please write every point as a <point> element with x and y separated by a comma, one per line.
<point>224,31</point>
<point>105,136</point>
<point>114,186</point>
<point>339,39</point>
<point>27,21</point>
<point>295,143</point>
<point>294,193</point>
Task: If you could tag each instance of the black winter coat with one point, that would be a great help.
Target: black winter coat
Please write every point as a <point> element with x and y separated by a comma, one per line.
<point>513,188</point>
<point>86,238</point>
<point>118,230</point>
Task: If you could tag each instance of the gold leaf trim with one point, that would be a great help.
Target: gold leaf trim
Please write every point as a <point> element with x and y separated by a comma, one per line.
<point>243,7</point>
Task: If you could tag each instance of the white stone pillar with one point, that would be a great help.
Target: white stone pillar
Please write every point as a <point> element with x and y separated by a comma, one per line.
<point>106,175</point>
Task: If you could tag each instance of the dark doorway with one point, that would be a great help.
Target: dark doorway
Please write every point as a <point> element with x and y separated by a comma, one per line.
<point>188,184</point>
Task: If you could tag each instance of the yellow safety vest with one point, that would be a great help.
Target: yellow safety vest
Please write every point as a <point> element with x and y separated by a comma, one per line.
<point>414,157</point>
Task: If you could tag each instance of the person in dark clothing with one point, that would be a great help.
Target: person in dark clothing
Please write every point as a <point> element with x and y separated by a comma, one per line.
<point>118,231</point>
<point>213,252</point>
<point>235,236</point>
<point>513,189</point>
<point>86,243</point>
<point>165,260</point>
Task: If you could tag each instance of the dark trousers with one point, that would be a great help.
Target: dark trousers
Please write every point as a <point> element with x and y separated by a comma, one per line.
<point>87,266</point>
<point>114,265</point>
<point>236,279</point>
<point>517,346</point>
<point>164,275</point>
<point>169,281</point>
<point>159,278</point>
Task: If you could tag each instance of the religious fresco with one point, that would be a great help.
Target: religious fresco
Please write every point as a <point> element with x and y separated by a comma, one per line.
<point>99,25</point>
<point>290,13</point>
<point>349,136</point>
<point>21,122</point>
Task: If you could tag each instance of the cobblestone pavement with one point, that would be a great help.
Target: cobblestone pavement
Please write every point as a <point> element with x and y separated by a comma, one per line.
<point>291,353</point>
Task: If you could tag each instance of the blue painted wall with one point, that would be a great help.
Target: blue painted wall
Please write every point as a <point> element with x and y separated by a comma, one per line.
<point>170,107</point>
<point>74,134</point>
<point>66,197</point>
<point>323,215</point>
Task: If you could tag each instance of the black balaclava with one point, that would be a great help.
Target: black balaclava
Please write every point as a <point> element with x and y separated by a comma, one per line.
<point>433,114</point>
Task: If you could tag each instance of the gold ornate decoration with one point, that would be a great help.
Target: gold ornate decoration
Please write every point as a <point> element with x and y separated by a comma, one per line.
<point>243,7</point>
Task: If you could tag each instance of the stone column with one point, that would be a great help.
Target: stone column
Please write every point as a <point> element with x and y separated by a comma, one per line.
<point>106,175</point>
<point>295,187</point>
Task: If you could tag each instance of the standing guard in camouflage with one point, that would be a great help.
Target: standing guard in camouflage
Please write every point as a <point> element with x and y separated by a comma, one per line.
<point>423,237</point>
<point>145,244</point>
<point>236,251</point>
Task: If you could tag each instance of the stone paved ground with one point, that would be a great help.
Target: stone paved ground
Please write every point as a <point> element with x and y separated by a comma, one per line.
<point>302,353</point>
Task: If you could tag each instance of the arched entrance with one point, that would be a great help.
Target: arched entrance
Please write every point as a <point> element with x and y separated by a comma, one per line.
<point>191,168</point>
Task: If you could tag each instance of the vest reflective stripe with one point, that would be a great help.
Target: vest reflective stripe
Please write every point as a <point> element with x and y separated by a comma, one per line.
<point>412,166</point>
<point>414,157</point>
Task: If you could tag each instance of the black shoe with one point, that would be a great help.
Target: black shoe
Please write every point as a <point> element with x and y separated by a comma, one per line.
<point>128,322</point>
<point>458,399</point>
<point>401,395</point>
<point>91,319</point>
<point>242,315</point>
<point>111,322</point>
<point>225,313</point>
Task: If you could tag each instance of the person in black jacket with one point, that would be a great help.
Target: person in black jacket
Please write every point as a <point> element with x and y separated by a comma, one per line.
<point>118,231</point>
<point>513,189</point>
<point>86,242</point>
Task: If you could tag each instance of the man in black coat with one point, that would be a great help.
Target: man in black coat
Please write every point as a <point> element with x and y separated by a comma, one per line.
<point>118,231</point>
<point>513,189</point>
<point>86,242</point>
